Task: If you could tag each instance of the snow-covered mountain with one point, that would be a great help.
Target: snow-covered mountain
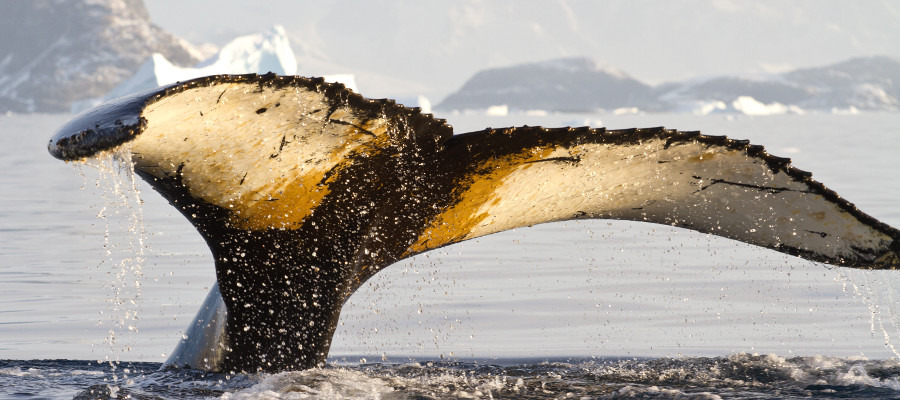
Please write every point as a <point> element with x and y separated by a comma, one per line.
<point>54,52</point>
<point>870,83</point>
<point>410,48</point>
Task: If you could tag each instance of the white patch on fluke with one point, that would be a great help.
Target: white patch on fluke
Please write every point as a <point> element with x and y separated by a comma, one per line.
<point>712,189</point>
<point>267,166</point>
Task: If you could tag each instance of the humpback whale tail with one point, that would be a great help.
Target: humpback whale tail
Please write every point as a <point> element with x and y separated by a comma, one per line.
<point>303,190</point>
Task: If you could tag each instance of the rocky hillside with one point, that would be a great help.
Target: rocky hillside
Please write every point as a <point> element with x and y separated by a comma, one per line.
<point>570,84</point>
<point>867,83</point>
<point>54,52</point>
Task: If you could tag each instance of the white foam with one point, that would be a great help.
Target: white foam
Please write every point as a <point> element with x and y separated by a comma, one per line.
<point>19,372</point>
<point>315,384</point>
<point>635,391</point>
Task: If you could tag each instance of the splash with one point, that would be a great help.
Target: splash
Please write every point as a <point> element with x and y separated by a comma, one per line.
<point>122,263</point>
<point>737,376</point>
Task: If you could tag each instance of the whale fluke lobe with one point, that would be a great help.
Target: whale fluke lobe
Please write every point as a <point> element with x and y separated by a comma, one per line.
<point>303,190</point>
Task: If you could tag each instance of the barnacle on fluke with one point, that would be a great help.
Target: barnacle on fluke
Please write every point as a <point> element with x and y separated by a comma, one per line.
<point>303,190</point>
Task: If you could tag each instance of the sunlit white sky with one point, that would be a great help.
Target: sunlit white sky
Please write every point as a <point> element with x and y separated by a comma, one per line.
<point>431,47</point>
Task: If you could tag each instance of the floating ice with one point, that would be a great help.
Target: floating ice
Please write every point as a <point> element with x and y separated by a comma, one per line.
<point>750,106</point>
<point>497,111</point>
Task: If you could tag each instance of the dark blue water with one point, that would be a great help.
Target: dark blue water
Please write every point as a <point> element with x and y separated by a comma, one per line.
<point>738,376</point>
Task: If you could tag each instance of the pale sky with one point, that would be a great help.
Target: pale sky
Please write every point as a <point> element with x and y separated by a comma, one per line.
<point>401,48</point>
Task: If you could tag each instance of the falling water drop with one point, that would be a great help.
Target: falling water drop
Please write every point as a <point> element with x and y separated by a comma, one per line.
<point>124,243</point>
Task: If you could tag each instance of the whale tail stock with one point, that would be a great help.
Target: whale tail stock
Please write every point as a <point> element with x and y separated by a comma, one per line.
<point>303,190</point>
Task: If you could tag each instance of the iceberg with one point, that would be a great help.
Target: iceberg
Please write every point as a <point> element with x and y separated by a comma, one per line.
<point>260,53</point>
<point>497,111</point>
<point>264,52</point>
<point>750,106</point>
<point>699,107</point>
<point>424,104</point>
<point>626,111</point>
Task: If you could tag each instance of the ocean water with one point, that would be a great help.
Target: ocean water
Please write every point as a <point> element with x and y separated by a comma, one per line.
<point>595,309</point>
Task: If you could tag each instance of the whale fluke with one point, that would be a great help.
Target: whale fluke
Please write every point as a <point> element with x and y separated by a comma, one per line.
<point>303,190</point>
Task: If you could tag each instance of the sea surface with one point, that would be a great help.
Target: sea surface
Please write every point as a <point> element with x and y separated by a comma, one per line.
<point>99,277</point>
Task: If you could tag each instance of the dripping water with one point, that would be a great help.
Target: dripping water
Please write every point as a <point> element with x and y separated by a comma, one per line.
<point>121,267</point>
<point>876,290</point>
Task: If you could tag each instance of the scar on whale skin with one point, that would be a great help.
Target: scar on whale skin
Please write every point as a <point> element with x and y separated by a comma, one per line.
<point>303,190</point>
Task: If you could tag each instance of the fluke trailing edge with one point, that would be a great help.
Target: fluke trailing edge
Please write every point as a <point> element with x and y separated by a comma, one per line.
<point>303,190</point>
